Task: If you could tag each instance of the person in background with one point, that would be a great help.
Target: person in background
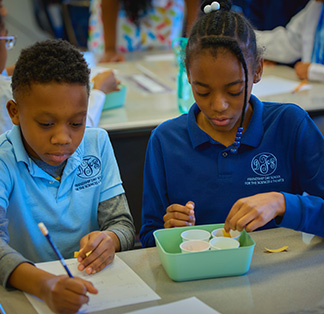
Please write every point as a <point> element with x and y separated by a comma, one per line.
<point>302,38</point>
<point>268,14</point>
<point>103,83</point>
<point>232,158</point>
<point>117,27</point>
<point>57,171</point>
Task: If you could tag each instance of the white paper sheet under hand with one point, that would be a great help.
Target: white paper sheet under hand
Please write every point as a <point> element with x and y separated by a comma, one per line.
<point>274,85</point>
<point>188,306</point>
<point>118,285</point>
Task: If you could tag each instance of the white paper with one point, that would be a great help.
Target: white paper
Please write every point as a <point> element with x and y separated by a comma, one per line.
<point>189,306</point>
<point>149,84</point>
<point>118,285</point>
<point>273,85</point>
<point>160,57</point>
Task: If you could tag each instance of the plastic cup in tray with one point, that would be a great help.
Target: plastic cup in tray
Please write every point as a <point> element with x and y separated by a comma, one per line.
<point>201,265</point>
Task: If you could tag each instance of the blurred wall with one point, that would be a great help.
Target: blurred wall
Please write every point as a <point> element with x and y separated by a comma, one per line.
<point>21,22</point>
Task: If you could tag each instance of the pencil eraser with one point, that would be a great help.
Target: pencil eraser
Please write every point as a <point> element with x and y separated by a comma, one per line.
<point>43,228</point>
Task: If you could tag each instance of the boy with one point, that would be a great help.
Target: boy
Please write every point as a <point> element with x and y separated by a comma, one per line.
<point>55,170</point>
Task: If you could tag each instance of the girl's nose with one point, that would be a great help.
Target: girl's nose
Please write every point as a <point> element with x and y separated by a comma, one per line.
<point>219,103</point>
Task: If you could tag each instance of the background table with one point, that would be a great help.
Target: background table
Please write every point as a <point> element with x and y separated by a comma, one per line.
<point>286,282</point>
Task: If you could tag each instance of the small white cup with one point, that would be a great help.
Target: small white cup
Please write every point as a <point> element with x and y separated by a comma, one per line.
<point>221,243</point>
<point>219,233</point>
<point>195,234</point>
<point>194,246</point>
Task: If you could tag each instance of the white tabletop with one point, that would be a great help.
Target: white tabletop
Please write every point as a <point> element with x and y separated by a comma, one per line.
<point>286,282</point>
<point>143,109</point>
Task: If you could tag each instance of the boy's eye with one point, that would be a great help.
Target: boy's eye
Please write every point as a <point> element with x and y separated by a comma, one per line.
<point>77,125</point>
<point>45,125</point>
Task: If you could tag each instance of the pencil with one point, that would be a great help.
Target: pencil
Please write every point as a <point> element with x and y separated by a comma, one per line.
<point>299,86</point>
<point>2,311</point>
<point>55,249</point>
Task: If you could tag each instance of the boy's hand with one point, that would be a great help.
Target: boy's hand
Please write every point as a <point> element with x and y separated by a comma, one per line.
<point>102,246</point>
<point>63,294</point>
<point>180,216</point>
<point>252,212</point>
<point>301,69</point>
<point>106,82</point>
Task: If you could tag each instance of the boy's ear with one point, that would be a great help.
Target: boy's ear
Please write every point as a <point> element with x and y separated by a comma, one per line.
<point>13,111</point>
<point>258,71</point>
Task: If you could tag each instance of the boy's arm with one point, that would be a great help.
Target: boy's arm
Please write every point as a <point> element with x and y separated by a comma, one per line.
<point>61,293</point>
<point>116,233</point>
<point>114,217</point>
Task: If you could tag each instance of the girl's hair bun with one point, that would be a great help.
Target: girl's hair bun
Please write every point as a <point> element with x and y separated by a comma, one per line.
<point>225,5</point>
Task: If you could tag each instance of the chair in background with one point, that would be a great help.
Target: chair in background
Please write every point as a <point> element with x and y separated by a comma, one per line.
<point>66,19</point>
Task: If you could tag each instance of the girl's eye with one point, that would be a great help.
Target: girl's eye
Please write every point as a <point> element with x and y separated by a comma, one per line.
<point>237,94</point>
<point>202,94</point>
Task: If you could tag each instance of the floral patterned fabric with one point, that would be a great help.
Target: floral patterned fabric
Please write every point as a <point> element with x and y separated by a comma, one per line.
<point>158,27</point>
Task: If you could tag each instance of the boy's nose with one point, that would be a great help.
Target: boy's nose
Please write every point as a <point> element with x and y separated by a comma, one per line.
<point>61,137</point>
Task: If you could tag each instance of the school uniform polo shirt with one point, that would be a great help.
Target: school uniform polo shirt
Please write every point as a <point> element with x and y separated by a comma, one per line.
<point>281,150</point>
<point>68,207</point>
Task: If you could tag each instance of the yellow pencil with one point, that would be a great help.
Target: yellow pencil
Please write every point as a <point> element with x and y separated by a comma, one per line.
<point>299,86</point>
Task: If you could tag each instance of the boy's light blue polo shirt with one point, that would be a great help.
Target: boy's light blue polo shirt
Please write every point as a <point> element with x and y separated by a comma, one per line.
<point>68,208</point>
<point>282,150</point>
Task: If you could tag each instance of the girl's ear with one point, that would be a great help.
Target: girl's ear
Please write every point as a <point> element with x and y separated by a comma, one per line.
<point>258,71</point>
<point>13,111</point>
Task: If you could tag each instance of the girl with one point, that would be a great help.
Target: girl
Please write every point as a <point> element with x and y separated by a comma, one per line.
<point>232,158</point>
<point>117,27</point>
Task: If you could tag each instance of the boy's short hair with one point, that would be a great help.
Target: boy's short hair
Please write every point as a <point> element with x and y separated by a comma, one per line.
<point>53,60</point>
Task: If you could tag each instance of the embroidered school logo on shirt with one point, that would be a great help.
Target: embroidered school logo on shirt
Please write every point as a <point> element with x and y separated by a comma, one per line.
<point>264,164</point>
<point>88,171</point>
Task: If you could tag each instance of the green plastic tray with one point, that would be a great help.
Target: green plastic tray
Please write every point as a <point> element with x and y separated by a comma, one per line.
<point>201,265</point>
<point>115,99</point>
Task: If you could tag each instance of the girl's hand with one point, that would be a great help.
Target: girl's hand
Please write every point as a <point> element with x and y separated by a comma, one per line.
<point>255,211</point>
<point>63,294</point>
<point>180,216</point>
<point>112,56</point>
<point>106,82</point>
<point>101,246</point>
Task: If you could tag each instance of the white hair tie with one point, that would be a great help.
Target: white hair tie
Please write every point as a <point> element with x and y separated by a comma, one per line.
<point>214,6</point>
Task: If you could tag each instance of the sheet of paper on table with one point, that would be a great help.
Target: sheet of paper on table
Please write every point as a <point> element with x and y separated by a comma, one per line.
<point>160,57</point>
<point>189,306</point>
<point>274,85</point>
<point>118,285</point>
